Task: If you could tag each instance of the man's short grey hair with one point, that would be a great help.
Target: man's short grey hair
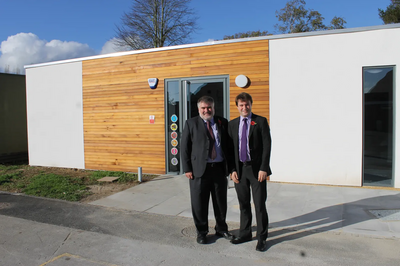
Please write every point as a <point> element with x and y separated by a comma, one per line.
<point>205,99</point>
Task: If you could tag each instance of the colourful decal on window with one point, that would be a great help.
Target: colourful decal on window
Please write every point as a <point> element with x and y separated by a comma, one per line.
<point>174,161</point>
<point>174,142</point>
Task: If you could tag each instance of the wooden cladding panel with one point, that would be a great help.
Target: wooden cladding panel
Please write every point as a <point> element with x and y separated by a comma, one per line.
<point>117,100</point>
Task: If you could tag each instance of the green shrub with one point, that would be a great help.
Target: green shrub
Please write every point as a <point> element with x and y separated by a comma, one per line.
<point>9,167</point>
<point>5,178</point>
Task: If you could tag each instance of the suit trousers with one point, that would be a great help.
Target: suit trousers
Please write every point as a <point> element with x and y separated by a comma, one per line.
<point>213,182</point>
<point>248,180</point>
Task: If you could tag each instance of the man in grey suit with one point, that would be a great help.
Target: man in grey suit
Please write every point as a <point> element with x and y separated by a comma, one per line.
<point>249,167</point>
<point>204,151</point>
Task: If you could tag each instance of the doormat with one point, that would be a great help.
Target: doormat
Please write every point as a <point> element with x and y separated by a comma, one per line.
<point>108,179</point>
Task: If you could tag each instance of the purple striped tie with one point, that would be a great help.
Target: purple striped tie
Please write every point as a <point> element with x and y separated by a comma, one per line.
<point>243,142</point>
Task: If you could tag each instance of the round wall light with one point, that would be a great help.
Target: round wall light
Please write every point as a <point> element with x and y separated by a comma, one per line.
<point>241,81</point>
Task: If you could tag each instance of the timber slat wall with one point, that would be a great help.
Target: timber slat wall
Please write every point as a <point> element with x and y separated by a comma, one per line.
<point>117,100</point>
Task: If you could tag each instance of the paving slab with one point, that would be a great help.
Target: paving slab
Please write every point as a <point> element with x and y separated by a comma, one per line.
<point>296,206</point>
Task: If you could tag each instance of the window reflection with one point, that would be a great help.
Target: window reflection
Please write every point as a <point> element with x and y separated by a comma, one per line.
<point>378,126</point>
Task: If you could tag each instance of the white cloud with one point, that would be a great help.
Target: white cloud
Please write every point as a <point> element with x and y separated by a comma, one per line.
<point>111,47</point>
<point>26,48</point>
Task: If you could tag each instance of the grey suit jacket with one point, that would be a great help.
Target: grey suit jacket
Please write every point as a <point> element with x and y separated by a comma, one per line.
<point>195,144</point>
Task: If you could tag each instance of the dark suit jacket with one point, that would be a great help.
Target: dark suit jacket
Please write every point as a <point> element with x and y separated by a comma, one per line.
<point>195,144</point>
<point>259,144</point>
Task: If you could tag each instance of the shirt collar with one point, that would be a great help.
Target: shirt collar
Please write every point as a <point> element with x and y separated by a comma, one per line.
<point>211,121</point>
<point>249,117</point>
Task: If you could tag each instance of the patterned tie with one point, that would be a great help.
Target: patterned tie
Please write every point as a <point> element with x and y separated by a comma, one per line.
<point>212,152</point>
<point>243,142</point>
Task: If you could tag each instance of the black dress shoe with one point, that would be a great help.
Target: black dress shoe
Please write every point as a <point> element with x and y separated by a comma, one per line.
<point>261,245</point>
<point>239,240</point>
<point>201,239</point>
<point>225,235</point>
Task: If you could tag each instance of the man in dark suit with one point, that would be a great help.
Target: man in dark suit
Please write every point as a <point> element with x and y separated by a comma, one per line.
<point>204,149</point>
<point>249,167</point>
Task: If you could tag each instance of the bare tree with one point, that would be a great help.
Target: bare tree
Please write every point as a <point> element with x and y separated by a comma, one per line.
<point>156,23</point>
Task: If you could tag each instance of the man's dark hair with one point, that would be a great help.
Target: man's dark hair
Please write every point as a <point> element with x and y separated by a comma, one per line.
<point>205,99</point>
<point>243,97</point>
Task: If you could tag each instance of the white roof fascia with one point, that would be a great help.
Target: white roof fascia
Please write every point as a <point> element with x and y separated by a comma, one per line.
<point>269,37</point>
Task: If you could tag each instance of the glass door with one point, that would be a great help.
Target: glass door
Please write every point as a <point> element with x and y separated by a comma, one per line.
<point>378,126</point>
<point>181,97</point>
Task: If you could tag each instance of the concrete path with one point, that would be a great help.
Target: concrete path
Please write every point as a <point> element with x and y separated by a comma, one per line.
<point>151,224</point>
<point>359,211</point>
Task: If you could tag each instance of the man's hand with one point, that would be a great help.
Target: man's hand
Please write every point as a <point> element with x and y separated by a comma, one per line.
<point>234,177</point>
<point>189,175</point>
<point>262,176</point>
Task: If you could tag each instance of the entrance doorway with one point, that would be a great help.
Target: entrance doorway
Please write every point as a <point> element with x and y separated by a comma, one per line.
<point>181,97</point>
<point>378,108</point>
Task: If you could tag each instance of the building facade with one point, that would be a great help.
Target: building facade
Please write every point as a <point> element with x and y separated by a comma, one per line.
<point>329,97</point>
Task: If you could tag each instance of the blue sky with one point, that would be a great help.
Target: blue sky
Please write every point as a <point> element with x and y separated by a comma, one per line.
<point>82,27</point>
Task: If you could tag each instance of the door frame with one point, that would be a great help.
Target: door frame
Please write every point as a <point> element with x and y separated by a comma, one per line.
<point>182,116</point>
<point>393,170</point>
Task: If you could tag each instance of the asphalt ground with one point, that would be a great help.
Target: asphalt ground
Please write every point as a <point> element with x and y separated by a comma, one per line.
<point>150,224</point>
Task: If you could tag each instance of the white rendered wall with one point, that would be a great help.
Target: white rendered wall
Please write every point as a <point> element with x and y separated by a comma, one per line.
<point>55,115</point>
<point>316,104</point>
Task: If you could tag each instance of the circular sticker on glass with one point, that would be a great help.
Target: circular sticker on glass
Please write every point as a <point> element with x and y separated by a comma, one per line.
<point>174,151</point>
<point>174,161</point>
<point>174,118</point>
<point>174,142</point>
<point>174,126</point>
<point>174,135</point>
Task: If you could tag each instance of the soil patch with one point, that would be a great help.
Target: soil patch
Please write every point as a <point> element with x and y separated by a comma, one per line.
<point>97,189</point>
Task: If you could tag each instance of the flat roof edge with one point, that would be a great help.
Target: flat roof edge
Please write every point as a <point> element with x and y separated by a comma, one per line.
<point>269,37</point>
